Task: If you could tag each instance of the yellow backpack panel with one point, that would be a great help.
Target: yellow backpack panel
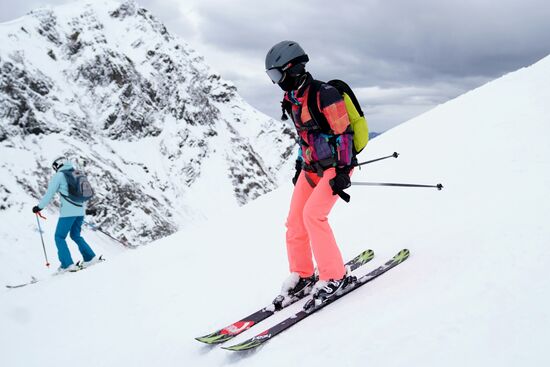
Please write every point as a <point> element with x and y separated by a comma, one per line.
<point>358,124</point>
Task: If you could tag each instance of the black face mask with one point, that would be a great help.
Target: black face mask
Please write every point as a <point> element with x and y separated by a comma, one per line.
<point>292,77</point>
<point>288,83</point>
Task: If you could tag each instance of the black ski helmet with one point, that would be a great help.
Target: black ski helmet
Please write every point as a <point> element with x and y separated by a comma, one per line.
<point>282,57</point>
<point>58,163</point>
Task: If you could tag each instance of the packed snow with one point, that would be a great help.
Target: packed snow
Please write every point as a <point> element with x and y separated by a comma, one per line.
<point>474,292</point>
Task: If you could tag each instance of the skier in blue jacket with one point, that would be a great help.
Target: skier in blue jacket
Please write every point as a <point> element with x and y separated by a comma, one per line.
<point>71,217</point>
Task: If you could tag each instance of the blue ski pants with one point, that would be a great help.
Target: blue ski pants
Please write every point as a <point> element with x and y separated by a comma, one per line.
<point>72,225</point>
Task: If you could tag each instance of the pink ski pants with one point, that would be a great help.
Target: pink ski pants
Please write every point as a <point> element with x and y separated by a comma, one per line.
<point>308,228</point>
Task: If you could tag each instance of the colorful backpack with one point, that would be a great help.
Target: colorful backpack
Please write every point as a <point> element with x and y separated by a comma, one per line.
<point>356,117</point>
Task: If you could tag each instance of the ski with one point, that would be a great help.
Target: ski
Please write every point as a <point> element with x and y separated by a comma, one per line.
<point>81,265</point>
<point>302,314</point>
<point>124,243</point>
<point>234,329</point>
<point>34,280</point>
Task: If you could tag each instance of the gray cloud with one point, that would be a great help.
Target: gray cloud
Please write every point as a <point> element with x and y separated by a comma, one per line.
<point>403,57</point>
<point>14,9</point>
<point>438,49</point>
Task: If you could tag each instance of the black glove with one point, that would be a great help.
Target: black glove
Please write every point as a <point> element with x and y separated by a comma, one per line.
<point>91,211</point>
<point>341,182</point>
<point>298,171</point>
<point>36,209</point>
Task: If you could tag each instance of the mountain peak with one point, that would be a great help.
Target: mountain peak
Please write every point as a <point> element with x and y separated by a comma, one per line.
<point>166,141</point>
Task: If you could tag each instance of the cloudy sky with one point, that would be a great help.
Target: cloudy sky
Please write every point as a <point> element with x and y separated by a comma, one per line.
<point>402,57</point>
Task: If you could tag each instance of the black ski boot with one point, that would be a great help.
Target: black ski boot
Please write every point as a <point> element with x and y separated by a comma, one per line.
<point>325,289</point>
<point>294,287</point>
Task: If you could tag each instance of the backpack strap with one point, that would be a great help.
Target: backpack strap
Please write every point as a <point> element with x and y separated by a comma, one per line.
<point>286,107</point>
<point>313,106</point>
<point>343,87</point>
<point>70,201</point>
<point>69,178</point>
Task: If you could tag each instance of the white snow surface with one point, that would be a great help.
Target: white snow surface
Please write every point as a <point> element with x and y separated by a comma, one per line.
<point>475,291</point>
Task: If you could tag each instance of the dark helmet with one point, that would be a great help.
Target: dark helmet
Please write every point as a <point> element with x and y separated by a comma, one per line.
<point>283,56</point>
<point>58,163</point>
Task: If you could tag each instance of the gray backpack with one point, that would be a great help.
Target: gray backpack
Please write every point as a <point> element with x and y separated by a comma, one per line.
<point>80,189</point>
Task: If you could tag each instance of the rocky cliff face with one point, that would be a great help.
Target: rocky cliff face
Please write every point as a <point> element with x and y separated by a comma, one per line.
<point>163,138</point>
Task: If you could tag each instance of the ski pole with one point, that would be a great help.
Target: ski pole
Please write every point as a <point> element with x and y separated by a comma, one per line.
<point>438,186</point>
<point>42,237</point>
<point>394,155</point>
<point>96,228</point>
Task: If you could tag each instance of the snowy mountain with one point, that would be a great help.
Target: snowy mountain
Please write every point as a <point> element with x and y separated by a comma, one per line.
<point>165,140</point>
<point>474,292</point>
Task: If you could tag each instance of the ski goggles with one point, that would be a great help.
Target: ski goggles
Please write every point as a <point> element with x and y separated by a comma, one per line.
<point>275,74</point>
<point>58,163</point>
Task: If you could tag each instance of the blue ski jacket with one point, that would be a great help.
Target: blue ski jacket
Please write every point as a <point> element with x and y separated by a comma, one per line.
<point>58,183</point>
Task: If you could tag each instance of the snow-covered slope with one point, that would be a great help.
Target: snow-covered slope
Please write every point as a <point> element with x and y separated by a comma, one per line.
<point>474,292</point>
<point>156,129</point>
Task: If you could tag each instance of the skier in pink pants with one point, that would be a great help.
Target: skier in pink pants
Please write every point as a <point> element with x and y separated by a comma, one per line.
<point>323,170</point>
<point>307,224</point>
